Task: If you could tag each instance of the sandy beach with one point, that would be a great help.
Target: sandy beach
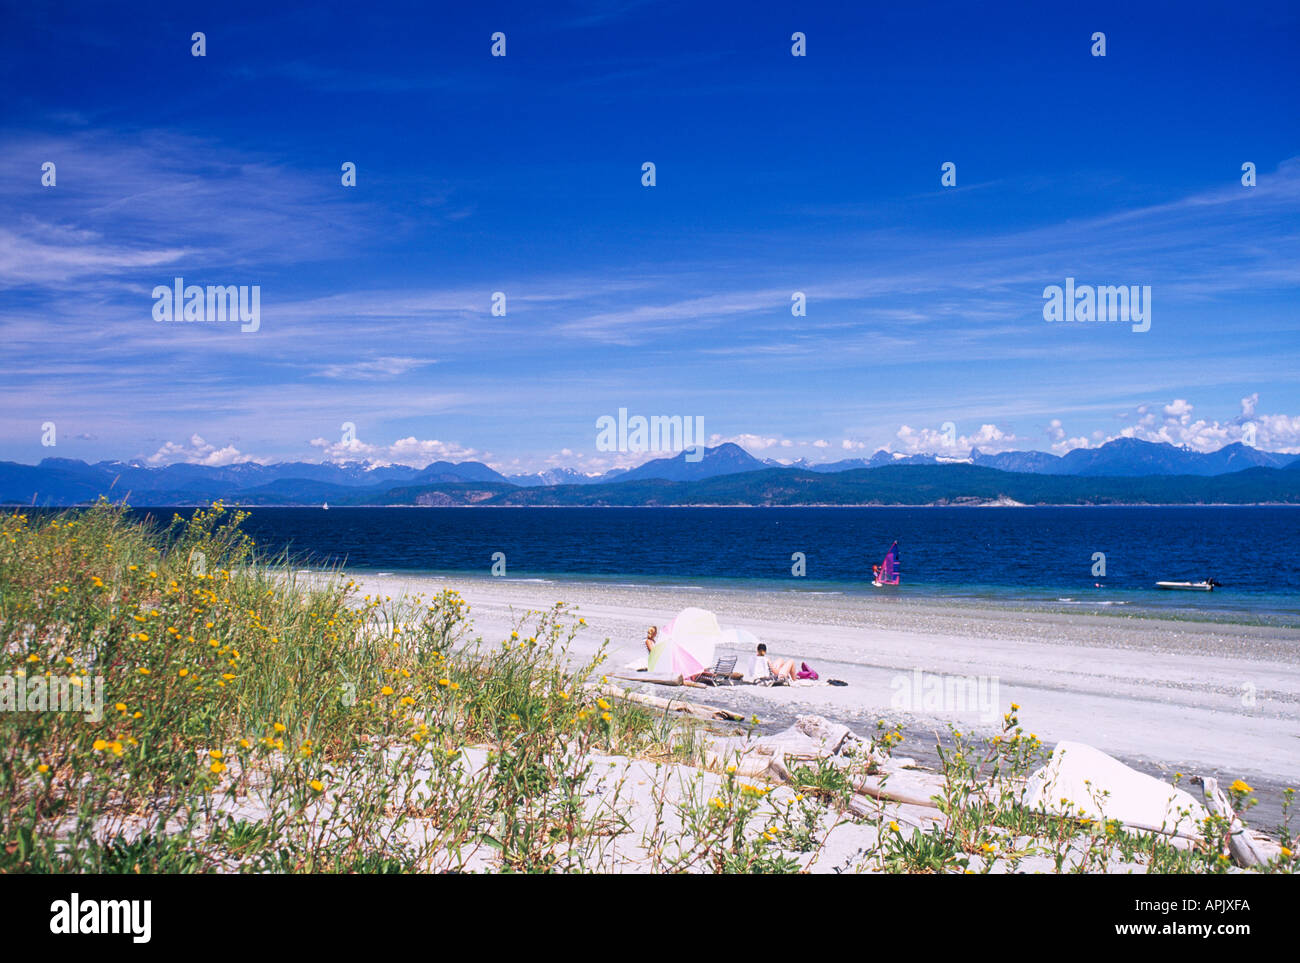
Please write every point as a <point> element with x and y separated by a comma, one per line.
<point>1164,696</point>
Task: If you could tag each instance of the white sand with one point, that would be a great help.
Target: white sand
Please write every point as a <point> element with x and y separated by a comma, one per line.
<point>1166,695</point>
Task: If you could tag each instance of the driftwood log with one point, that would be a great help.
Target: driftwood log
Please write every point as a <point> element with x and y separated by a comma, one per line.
<point>904,786</point>
<point>924,818</point>
<point>655,678</point>
<point>1247,847</point>
<point>693,709</point>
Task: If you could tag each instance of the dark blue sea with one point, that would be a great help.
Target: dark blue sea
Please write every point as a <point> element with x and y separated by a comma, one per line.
<point>1017,556</point>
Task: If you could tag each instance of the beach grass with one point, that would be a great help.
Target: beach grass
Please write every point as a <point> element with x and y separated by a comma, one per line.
<point>227,680</point>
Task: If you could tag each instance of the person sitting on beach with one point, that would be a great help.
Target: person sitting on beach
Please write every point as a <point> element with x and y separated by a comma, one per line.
<point>650,640</point>
<point>766,668</point>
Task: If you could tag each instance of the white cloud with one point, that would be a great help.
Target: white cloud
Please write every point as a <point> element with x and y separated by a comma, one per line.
<point>1061,442</point>
<point>988,439</point>
<point>411,451</point>
<point>1277,433</point>
<point>43,253</point>
<point>197,452</point>
<point>1175,425</point>
<point>374,369</point>
<point>748,442</point>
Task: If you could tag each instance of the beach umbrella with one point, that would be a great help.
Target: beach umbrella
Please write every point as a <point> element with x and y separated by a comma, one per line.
<point>740,638</point>
<point>687,643</point>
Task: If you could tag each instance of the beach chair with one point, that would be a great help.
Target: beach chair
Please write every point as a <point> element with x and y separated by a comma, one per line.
<point>720,674</point>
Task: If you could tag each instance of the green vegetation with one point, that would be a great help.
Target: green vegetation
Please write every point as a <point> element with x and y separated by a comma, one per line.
<point>255,723</point>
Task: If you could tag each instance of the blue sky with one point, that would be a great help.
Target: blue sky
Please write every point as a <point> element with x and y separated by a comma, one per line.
<point>522,174</point>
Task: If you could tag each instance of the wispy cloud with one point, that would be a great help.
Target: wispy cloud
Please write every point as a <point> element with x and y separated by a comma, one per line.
<point>374,369</point>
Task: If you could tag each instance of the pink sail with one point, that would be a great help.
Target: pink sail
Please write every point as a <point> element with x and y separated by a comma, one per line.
<point>887,573</point>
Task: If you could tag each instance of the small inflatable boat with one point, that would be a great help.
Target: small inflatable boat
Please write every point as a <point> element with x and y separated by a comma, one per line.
<point>1205,586</point>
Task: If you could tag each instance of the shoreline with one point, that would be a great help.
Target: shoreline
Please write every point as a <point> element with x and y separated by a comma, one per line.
<point>914,595</point>
<point>1161,695</point>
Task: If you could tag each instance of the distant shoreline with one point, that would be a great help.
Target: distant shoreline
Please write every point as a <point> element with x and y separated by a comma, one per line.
<point>1115,474</point>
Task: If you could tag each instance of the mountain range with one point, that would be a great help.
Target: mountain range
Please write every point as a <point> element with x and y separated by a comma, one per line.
<point>726,474</point>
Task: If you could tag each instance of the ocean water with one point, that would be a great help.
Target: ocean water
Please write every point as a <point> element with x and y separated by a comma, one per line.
<point>1016,556</point>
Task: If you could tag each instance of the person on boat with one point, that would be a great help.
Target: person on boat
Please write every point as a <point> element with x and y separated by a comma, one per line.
<point>650,641</point>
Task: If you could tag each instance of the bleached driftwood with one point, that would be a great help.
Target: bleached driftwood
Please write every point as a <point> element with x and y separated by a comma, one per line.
<point>754,766</point>
<point>830,736</point>
<point>923,818</point>
<point>1247,847</point>
<point>1081,781</point>
<point>655,678</point>
<point>810,739</point>
<point>693,709</point>
<point>904,786</point>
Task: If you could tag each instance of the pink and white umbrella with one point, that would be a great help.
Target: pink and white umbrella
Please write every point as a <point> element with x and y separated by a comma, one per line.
<point>687,644</point>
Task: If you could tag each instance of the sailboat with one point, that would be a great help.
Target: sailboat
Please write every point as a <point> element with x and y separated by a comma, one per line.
<point>326,506</point>
<point>886,573</point>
